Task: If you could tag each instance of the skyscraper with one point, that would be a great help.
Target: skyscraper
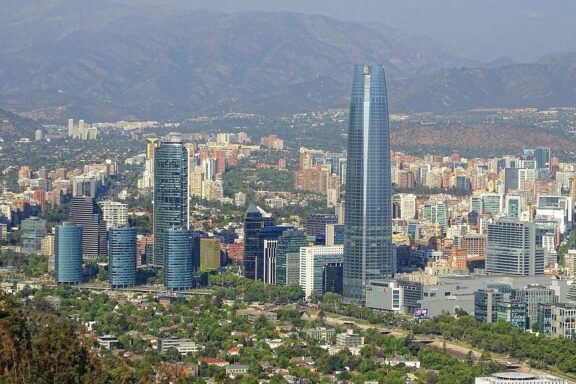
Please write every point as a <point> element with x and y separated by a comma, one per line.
<point>368,221</point>
<point>255,219</point>
<point>68,253</point>
<point>33,229</point>
<point>170,192</point>
<point>512,248</point>
<point>178,264</point>
<point>122,256</point>
<point>87,213</point>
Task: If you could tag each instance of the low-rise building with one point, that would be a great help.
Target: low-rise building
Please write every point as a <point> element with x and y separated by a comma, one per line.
<point>518,378</point>
<point>321,333</point>
<point>349,339</point>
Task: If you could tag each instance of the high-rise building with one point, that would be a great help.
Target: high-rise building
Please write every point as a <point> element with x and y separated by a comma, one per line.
<point>316,223</point>
<point>313,263</point>
<point>170,193</point>
<point>269,243</point>
<point>87,213</point>
<point>532,296</point>
<point>33,229</point>
<point>178,262</point>
<point>368,221</point>
<point>115,213</point>
<point>255,219</point>
<point>122,256</point>
<point>334,234</point>
<point>288,257</point>
<point>486,305</point>
<point>542,158</point>
<point>407,206</point>
<point>68,253</point>
<point>511,248</point>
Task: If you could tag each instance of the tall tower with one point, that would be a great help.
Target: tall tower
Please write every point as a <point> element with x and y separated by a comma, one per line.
<point>178,261</point>
<point>170,192</point>
<point>255,219</point>
<point>122,256</point>
<point>68,253</point>
<point>86,213</point>
<point>512,248</point>
<point>368,221</point>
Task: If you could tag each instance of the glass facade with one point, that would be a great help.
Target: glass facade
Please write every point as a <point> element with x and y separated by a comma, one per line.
<point>33,229</point>
<point>170,193</point>
<point>254,220</point>
<point>178,263</point>
<point>122,256</point>
<point>68,253</point>
<point>87,213</point>
<point>288,257</point>
<point>368,206</point>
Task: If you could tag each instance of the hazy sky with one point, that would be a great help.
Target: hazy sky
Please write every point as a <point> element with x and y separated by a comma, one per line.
<point>485,29</point>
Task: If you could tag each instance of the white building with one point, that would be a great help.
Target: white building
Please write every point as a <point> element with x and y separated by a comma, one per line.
<point>407,206</point>
<point>313,261</point>
<point>115,213</point>
<point>519,378</point>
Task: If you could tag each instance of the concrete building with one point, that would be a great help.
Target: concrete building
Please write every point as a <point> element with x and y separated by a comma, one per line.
<point>33,229</point>
<point>321,334</point>
<point>115,213</point>
<point>349,339</point>
<point>563,324</point>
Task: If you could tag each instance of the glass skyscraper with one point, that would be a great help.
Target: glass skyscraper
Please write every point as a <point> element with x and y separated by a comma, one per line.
<point>178,262</point>
<point>68,253</point>
<point>122,256</point>
<point>170,193</point>
<point>255,219</point>
<point>368,220</point>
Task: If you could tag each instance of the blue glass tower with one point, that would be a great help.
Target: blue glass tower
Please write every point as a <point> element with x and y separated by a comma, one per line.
<point>68,253</point>
<point>122,256</point>
<point>255,219</point>
<point>178,262</point>
<point>368,220</point>
<point>170,193</point>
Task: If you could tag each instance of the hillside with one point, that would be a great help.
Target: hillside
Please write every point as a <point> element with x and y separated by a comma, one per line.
<point>13,126</point>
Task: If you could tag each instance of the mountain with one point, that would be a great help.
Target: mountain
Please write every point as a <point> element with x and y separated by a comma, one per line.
<point>14,126</point>
<point>117,61</point>
<point>549,82</point>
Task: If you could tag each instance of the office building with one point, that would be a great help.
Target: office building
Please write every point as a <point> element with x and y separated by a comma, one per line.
<point>268,242</point>
<point>349,339</point>
<point>86,213</point>
<point>33,229</point>
<point>334,234</point>
<point>170,193</point>
<point>321,334</point>
<point>288,257</point>
<point>368,220</point>
<point>316,223</point>
<point>513,206</point>
<point>492,203</point>
<point>514,312</point>
<point>122,256</point>
<point>115,213</point>
<point>254,220</point>
<point>68,253</point>
<point>178,263</point>
<point>563,324</point>
<point>542,156</point>
<point>511,249</point>
<point>313,263</point>
<point>486,305</point>
<point>532,296</point>
<point>333,277</point>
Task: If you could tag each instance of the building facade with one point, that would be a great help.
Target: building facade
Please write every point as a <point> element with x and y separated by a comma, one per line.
<point>512,249</point>
<point>368,220</point>
<point>86,213</point>
<point>170,193</point>
<point>122,256</point>
<point>68,253</point>
<point>178,260</point>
